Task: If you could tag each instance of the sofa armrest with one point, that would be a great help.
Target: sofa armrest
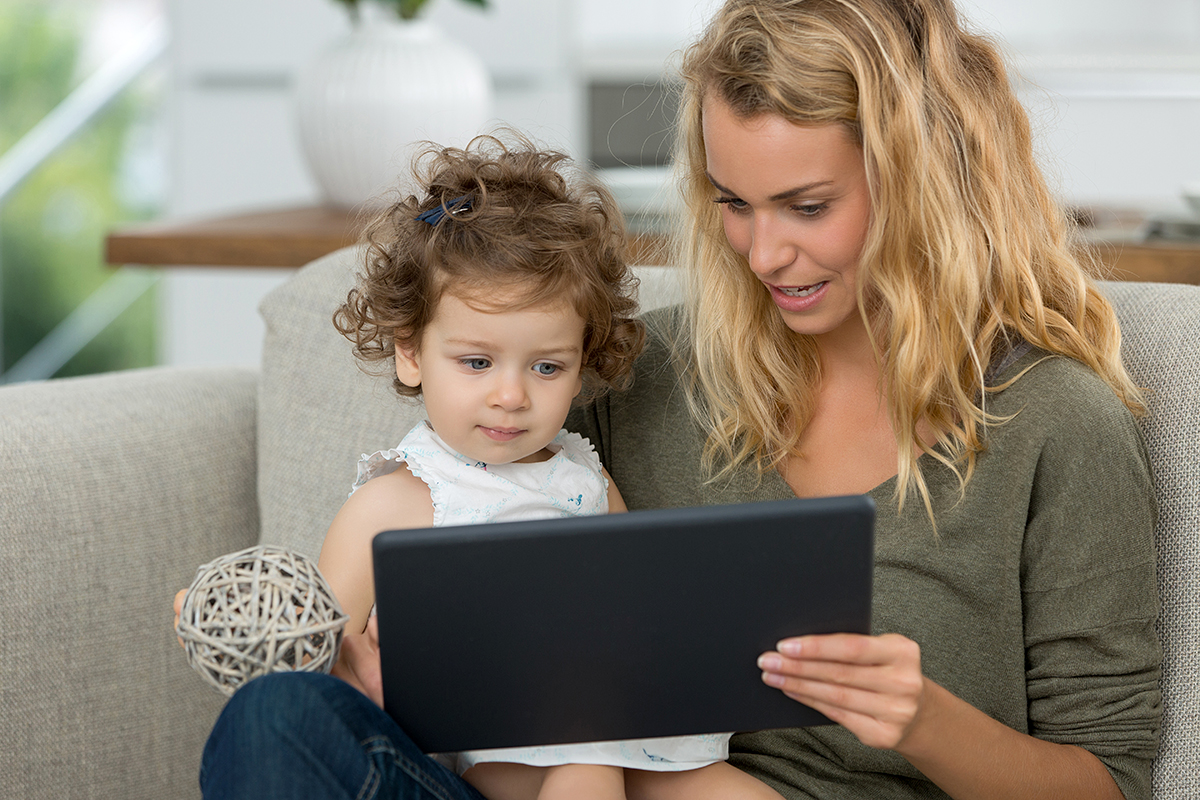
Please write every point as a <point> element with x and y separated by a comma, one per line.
<point>113,489</point>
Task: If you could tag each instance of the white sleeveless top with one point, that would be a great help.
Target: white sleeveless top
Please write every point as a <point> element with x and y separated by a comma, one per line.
<point>465,491</point>
<point>570,483</point>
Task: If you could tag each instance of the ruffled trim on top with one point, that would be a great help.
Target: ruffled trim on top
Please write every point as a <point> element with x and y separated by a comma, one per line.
<point>577,448</point>
<point>578,444</point>
<point>381,462</point>
<point>385,462</point>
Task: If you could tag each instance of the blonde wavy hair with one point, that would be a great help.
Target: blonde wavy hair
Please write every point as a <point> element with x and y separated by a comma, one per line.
<point>967,252</point>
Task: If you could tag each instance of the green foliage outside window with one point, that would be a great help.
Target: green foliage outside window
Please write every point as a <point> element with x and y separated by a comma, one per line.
<point>52,228</point>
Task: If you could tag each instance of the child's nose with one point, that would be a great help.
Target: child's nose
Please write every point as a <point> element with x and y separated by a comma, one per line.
<point>509,393</point>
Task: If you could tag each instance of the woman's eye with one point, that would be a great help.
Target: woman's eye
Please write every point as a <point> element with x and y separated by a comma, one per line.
<point>732,203</point>
<point>812,209</point>
<point>546,369</point>
<point>476,363</point>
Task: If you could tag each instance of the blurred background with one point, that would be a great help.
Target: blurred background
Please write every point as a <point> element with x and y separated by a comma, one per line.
<point>119,111</point>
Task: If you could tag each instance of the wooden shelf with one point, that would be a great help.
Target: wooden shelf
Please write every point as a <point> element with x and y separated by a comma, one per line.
<point>293,237</point>
<point>1151,261</point>
<point>284,238</point>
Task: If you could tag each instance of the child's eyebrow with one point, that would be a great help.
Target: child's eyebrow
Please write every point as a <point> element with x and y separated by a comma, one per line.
<point>470,343</point>
<point>566,349</point>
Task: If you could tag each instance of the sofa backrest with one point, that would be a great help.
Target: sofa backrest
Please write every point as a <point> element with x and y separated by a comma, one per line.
<point>318,412</point>
<point>1160,326</point>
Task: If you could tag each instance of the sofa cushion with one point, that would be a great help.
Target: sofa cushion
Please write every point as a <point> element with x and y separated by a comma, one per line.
<point>1160,326</point>
<point>318,411</point>
<point>113,489</point>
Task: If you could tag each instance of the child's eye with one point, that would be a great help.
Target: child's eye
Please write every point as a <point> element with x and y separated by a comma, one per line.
<point>546,369</point>
<point>476,363</point>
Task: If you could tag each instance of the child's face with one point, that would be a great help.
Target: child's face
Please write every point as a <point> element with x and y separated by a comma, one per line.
<point>497,385</point>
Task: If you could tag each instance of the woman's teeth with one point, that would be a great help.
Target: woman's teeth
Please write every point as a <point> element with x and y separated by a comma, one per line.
<point>800,291</point>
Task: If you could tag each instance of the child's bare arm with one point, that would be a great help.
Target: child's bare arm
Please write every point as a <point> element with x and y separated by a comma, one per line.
<point>616,503</point>
<point>397,500</point>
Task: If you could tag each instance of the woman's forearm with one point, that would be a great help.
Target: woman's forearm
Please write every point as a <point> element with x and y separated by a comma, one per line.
<point>971,756</point>
<point>874,687</point>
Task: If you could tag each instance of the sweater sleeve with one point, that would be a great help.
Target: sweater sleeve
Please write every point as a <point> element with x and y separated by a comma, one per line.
<point>1088,585</point>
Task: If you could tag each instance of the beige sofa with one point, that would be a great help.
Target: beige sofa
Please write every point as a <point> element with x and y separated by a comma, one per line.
<point>113,489</point>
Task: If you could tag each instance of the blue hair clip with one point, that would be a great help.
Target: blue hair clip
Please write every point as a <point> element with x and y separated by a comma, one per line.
<point>434,215</point>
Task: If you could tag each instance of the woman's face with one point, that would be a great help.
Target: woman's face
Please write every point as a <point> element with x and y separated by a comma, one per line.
<point>795,203</point>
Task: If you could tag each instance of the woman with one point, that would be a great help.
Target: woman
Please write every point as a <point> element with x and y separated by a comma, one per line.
<point>883,299</point>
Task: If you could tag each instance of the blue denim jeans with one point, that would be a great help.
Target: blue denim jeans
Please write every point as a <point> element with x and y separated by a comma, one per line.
<point>304,735</point>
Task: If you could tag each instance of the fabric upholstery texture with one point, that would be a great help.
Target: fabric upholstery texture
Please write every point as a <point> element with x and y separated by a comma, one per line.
<point>1160,325</point>
<point>318,411</point>
<point>113,490</point>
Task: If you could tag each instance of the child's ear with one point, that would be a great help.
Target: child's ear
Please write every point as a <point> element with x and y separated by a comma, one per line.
<point>408,365</point>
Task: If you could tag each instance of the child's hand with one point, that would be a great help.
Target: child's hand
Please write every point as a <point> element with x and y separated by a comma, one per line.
<point>358,662</point>
<point>178,610</point>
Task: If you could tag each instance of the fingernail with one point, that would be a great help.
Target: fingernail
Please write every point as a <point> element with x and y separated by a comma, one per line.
<point>773,679</point>
<point>789,647</point>
<point>769,662</point>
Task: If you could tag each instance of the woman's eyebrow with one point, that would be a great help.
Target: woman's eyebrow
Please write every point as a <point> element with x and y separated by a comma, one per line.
<point>775,198</point>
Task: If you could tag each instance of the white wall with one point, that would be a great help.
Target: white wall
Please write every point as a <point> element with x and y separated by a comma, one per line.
<point>235,147</point>
<point>1113,90</point>
<point>1113,87</point>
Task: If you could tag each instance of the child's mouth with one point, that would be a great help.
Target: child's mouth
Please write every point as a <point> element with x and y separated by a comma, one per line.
<point>501,434</point>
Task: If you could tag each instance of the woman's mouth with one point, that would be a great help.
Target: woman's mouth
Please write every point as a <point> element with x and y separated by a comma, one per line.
<point>800,291</point>
<point>799,299</point>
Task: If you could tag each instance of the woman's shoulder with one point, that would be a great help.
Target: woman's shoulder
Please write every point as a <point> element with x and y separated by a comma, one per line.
<point>1060,417</point>
<point>1061,388</point>
<point>663,327</point>
<point>656,372</point>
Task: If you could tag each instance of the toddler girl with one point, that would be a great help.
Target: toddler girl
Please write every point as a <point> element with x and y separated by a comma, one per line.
<point>501,295</point>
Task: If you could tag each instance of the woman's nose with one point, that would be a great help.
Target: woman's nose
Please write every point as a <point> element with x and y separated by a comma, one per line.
<point>770,247</point>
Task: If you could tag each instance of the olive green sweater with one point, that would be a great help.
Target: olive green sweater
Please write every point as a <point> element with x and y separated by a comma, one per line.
<point>1034,601</point>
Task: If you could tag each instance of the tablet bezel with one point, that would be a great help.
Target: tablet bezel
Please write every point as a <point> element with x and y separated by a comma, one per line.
<point>621,626</point>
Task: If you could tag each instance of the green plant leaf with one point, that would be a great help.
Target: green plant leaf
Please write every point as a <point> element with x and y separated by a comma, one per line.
<point>352,7</point>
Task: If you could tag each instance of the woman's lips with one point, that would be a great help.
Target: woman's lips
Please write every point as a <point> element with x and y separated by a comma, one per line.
<point>801,291</point>
<point>798,298</point>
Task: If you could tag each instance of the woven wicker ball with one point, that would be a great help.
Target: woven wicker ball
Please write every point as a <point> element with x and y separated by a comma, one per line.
<point>260,610</point>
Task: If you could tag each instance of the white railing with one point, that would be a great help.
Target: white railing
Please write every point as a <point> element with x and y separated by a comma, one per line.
<point>32,150</point>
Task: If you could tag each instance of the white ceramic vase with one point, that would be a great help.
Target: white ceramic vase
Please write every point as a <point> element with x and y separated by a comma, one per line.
<point>366,102</point>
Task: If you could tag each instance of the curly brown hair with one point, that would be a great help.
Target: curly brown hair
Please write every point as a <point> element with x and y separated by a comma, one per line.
<point>505,218</point>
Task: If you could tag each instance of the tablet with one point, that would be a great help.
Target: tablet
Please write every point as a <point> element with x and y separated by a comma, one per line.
<point>622,626</point>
